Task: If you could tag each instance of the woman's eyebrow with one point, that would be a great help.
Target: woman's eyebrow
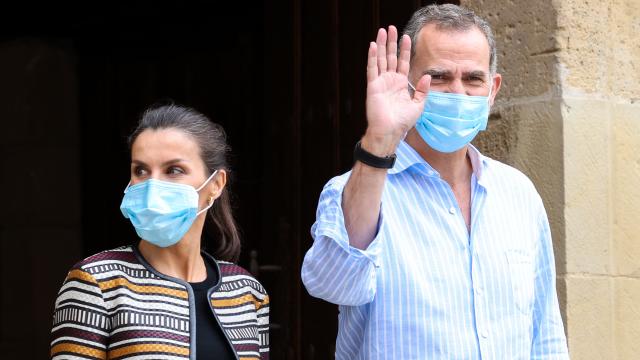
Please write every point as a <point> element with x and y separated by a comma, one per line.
<point>168,162</point>
<point>174,161</point>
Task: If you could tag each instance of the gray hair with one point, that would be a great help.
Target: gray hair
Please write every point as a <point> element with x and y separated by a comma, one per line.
<point>451,17</point>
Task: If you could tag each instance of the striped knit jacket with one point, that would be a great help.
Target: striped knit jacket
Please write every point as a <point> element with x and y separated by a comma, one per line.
<point>114,305</point>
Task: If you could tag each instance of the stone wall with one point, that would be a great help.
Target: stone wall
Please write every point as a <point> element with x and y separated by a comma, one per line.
<point>569,116</point>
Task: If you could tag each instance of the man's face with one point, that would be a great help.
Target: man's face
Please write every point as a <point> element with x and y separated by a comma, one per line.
<point>458,61</point>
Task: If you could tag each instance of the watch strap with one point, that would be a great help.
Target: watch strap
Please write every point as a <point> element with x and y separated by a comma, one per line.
<point>365,157</point>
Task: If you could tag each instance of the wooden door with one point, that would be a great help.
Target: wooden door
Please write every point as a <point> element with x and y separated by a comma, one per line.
<point>286,79</point>
<point>330,42</point>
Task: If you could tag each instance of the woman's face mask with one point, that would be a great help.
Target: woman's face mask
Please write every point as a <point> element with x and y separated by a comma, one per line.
<point>167,172</point>
<point>162,211</point>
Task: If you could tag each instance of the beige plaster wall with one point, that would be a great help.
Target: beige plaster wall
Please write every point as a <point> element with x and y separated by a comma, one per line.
<point>569,117</point>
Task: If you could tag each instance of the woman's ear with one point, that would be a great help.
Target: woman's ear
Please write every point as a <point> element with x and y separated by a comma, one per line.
<point>217,184</point>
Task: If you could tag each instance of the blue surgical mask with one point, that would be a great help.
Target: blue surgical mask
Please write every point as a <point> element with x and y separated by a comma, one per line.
<point>161,211</point>
<point>450,121</point>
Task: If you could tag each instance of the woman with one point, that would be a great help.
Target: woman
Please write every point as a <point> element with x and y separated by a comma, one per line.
<point>165,298</point>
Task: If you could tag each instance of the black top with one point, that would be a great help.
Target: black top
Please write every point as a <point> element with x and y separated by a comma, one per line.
<point>211,343</point>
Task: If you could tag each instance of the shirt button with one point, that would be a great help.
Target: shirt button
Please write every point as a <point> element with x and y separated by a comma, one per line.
<point>431,172</point>
<point>452,210</point>
<point>484,333</point>
<point>479,291</point>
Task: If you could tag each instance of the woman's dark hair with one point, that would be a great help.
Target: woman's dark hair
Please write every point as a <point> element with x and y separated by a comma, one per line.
<point>212,141</point>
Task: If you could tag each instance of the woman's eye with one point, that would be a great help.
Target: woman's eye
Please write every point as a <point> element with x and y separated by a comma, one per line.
<point>174,170</point>
<point>139,171</point>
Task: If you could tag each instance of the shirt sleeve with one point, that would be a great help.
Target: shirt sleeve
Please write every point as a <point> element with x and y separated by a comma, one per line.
<point>332,269</point>
<point>263,328</point>
<point>80,324</point>
<point>549,341</point>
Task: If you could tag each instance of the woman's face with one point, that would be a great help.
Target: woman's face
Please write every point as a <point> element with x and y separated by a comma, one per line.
<point>172,155</point>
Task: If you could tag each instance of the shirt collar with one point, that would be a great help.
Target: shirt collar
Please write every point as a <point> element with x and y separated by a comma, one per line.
<point>478,162</point>
<point>407,157</point>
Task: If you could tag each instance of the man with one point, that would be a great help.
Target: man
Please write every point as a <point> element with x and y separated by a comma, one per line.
<point>432,250</point>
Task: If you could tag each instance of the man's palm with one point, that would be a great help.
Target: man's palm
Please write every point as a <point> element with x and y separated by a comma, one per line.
<point>390,107</point>
<point>391,110</point>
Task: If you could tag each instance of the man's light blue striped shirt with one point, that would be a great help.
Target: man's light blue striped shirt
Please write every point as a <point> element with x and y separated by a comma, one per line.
<point>426,288</point>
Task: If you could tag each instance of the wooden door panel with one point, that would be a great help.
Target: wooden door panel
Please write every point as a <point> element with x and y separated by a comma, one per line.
<point>335,36</point>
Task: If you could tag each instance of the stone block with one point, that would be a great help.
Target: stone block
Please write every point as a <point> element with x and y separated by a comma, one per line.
<point>583,39</point>
<point>587,185</point>
<point>627,318</point>
<point>527,47</point>
<point>624,63</point>
<point>626,189</point>
<point>589,323</point>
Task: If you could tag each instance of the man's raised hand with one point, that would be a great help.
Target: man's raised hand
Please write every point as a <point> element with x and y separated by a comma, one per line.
<point>391,109</point>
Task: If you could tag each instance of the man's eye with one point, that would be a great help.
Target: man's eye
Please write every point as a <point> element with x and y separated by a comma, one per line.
<point>476,80</point>
<point>438,79</point>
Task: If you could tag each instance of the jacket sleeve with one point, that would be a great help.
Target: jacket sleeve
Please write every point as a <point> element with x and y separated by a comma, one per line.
<point>332,269</point>
<point>80,323</point>
<point>549,341</point>
<point>263,328</point>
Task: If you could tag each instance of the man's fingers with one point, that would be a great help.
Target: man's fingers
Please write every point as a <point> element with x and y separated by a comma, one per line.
<point>372,62</point>
<point>381,42</point>
<point>422,88</point>
<point>392,48</point>
<point>405,55</point>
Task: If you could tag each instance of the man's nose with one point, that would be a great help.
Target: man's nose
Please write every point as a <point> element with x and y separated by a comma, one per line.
<point>457,87</point>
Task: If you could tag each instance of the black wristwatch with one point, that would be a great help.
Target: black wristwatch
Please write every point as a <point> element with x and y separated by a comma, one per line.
<point>362,155</point>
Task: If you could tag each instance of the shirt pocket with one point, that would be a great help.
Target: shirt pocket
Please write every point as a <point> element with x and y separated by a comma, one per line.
<point>522,278</point>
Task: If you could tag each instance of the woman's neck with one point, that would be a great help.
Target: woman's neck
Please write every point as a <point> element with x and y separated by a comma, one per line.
<point>182,260</point>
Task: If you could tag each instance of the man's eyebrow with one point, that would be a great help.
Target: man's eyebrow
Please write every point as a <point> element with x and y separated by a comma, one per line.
<point>475,73</point>
<point>434,72</point>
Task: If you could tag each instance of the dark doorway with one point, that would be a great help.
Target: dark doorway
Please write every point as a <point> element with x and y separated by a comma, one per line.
<point>286,79</point>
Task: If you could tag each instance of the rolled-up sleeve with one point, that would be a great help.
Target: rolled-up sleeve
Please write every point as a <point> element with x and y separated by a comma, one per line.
<point>332,269</point>
<point>549,341</point>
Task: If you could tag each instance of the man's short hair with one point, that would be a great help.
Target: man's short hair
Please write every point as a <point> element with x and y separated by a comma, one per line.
<point>451,17</point>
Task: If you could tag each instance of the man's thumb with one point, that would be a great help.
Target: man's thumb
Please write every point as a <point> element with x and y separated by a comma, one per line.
<point>422,88</point>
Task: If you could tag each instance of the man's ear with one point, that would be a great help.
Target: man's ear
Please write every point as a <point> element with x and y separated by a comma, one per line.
<point>497,82</point>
